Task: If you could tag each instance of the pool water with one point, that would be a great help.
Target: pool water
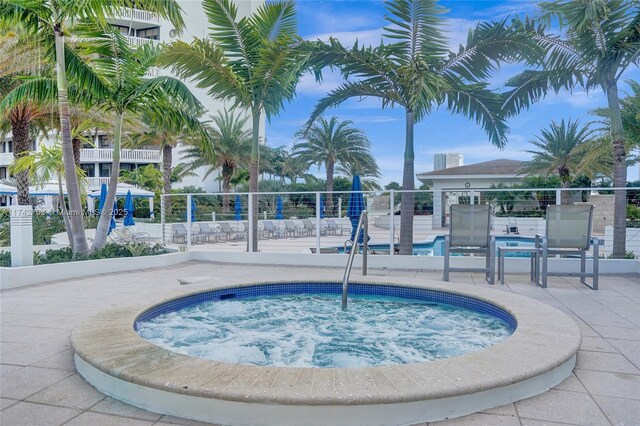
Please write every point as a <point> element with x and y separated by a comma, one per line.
<point>310,330</point>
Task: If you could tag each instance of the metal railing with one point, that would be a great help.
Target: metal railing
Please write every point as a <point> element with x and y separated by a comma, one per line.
<point>137,15</point>
<point>106,154</point>
<point>363,225</point>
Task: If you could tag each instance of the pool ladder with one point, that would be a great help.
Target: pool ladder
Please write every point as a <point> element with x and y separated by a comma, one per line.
<point>363,224</point>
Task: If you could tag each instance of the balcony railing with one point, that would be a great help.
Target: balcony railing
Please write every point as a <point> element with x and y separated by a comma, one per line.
<point>96,182</point>
<point>139,41</point>
<point>137,15</point>
<point>128,155</point>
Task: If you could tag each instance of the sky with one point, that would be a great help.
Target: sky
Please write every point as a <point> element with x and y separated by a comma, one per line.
<point>441,131</point>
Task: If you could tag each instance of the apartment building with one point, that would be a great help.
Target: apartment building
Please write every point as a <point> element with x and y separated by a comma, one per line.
<point>142,27</point>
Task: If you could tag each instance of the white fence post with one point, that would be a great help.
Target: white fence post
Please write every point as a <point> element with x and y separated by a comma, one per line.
<point>318,224</point>
<point>188,221</point>
<point>339,207</point>
<point>391,223</point>
<point>21,235</point>
<point>558,196</point>
<point>250,235</point>
<point>162,220</point>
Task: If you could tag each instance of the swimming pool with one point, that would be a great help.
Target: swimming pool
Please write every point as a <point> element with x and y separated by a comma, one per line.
<point>303,326</point>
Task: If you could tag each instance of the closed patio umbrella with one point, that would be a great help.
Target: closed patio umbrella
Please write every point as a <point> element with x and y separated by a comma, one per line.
<point>279,214</point>
<point>238,208</point>
<point>355,208</point>
<point>128,206</point>
<point>103,198</point>
<point>193,209</point>
<point>322,207</point>
<point>112,223</point>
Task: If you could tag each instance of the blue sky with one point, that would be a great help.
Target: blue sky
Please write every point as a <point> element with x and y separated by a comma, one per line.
<point>441,131</point>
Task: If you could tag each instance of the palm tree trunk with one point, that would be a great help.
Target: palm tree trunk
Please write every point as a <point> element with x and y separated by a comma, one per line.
<point>408,198</point>
<point>167,160</point>
<point>77,146</point>
<point>107,211</point>
<point>20,130</point>
<point>566,195</point>
<point>65,213</point>
<point>79,244</point>
<point>227,173</point>
<point>253,175</point>
<point>619,172</point>
<point>329,201</point>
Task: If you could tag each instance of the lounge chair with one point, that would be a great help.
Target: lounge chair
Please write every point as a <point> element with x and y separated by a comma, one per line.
<point>180,233</point>
<point>208,233</point>
<point>332,227</point>
<point>292,229</point>
<point>229,230</point>
<point>469,232</point>
<point>311,227</point>
<point>270,230</point>
<point>568,232</point>
<point>125,235</point>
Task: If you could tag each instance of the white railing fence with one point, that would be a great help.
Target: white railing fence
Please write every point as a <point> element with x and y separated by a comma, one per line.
<point>289,222</point>
<point>106,154</point>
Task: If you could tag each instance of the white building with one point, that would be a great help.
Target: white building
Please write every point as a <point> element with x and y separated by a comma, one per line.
<point>447,161</point>
<point>144,27</point>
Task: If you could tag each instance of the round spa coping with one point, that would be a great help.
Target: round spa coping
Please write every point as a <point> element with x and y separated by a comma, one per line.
<point>539,354</point>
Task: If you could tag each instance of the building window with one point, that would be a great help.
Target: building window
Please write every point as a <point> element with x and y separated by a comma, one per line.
<point>149,33</point>
<point>34,145</point>
<point>127,166</point>
<point>3,172</point>
<point>104,142</point>
<point>89,169</point>
<point>9,146</point>
<point>105,170</point>
<point>125,30</point>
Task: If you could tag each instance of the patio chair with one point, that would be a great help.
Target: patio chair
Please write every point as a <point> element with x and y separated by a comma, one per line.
<point>270,230</point>
<point>125,235</point>
<point>180,232</point>
<point>229,230</point>
<point>568,233</point>
<point>469,232</point>
<point>311,227</point>
<point>292,229</point>
<point>209,234</point>
<point>332,227</point>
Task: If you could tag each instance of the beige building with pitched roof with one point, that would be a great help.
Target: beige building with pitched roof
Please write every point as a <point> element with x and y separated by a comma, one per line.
<point>450,184</point>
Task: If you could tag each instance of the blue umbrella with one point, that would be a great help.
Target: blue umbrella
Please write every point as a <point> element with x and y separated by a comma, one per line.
<point>355,208</point>
<point>322,206</point>
<point>193,209</point>
<point>103,197</point>
<point>128,206</point>
<point>238,207</point>
<point>112,224</point>
<point>279,214</point>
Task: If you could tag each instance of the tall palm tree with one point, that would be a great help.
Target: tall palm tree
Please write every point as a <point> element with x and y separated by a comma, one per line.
<point>228,147</point>
<point>600,40</point>
<point>166,133</point>
<point>331,143</point>
<point>254,62</point>
<point>43,166</point>
<point>19,57</point>
<point>127,91</point>
<point>293,169</point>
<point>417,72</point>
<point>366,168</point>
<point>54,20</point>
<point>561,150</point>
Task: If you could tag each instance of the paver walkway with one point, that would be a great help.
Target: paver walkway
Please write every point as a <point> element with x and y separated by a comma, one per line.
<point>39,385</point>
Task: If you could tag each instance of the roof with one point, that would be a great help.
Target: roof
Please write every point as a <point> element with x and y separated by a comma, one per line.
<point>493,167</point>
<point>122,190</point>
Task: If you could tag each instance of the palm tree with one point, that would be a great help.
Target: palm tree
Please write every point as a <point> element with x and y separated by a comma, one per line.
<point>253,62</point>
<point>18,58</point>
<point>166,133</point>
<point>331,143</point>
<point>127,91</point>
<point>293,169</point>
<point>366,168</point>
<point>600,40</point>
<point>228,147</point>
<point>43,166</point>
<point>418,73</point>
<point>53,20</point>
<point>562,150</point>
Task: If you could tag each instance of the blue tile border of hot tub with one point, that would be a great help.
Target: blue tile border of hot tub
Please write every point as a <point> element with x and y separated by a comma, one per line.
<point>275,289</point>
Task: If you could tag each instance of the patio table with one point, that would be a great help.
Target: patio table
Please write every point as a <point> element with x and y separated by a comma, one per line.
<point>534,254</point>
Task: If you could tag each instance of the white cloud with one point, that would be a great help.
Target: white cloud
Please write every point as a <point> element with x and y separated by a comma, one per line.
<point>457,30</point>
<point>512,7</point>
<point>577,98</point>
<point>368,119</point>
<point>308,85</point>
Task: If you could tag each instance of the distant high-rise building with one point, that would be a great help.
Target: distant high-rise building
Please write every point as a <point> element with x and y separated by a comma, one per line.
<point>446,161</point>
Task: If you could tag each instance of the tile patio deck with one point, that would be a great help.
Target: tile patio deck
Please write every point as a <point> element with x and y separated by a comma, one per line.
<point>39,385</point>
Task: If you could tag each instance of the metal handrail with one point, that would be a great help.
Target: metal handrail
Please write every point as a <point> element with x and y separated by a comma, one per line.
<point>362,223</point>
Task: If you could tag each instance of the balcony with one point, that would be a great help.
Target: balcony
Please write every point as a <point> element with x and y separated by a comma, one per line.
<point>96,182</point>
<point>126,13</point>
<point>139,41</point>
<point>6,158</point>
<point>126,155</point>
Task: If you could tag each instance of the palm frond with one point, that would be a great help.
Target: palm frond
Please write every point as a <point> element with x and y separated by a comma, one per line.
<point>275,20</point>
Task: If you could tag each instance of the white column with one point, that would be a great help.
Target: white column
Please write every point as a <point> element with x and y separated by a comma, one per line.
<point>339,207</point>
<point>391,223</point>
<point>189,220</point>
<point>151,215</point>
<point>437,209</point>
<point>48,203</point>
<point>558,196</point>
<point>21,235</point>
<point>91,205</point>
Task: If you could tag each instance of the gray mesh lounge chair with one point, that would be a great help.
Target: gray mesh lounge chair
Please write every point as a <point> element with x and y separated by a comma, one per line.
<point>311,227</point>
<point>292,229</point>
<point>469,233</point>
<point>229,230</point>
<point>125,235</point>
<point>208,233</point>
<point>180,233</point>
<point>332,227</point>
<point>271,230</point>
<point>568,232</point>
